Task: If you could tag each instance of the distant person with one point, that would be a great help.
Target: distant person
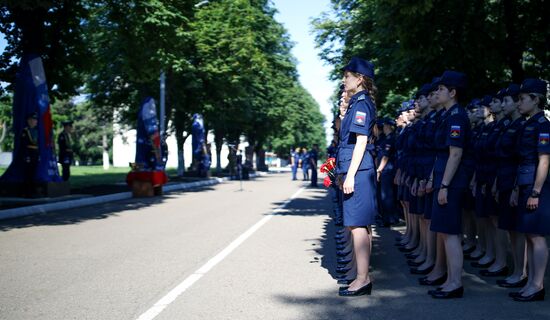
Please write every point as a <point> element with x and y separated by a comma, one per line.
<point>332,150</point>
<point>31,155</point>
<point>64,142</point>
<point>295,161</point>
<point>313,157</point>
<point>305,163</point>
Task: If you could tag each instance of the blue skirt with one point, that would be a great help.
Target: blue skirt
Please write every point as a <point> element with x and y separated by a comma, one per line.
<point>428,204</point>
<point>360,207</point>
<point>508,215</point>
<point>448,218</point>
<point>534,221</point>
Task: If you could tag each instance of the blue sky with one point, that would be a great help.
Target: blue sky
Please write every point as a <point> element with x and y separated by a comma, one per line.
<point>296,16</point>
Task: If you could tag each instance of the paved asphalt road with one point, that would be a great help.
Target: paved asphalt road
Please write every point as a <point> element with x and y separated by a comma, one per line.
<point>118,260</point>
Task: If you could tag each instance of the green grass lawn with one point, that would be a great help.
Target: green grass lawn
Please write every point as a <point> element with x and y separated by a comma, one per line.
<point>85,176</point>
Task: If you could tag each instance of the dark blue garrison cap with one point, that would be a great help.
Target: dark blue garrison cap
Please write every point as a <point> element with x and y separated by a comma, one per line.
<point>454,79</point>
<point>424,90</point>
<point>512,90</point>
<point>487,99</point>
<point>360,66</point>
<point>434,84</point>
<point>473,104</point>
<point>533,85</point>
<point>500,94</point>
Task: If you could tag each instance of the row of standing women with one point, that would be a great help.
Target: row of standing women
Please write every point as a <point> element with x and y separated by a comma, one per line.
<point>470,182</point>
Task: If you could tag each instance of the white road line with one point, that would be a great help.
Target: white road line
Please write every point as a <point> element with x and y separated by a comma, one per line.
<point>158,307</point>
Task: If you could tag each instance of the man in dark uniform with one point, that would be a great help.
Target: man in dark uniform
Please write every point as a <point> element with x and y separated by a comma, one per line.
<point>64,141</point>
<point>313,157</point>
<point>29,145</point>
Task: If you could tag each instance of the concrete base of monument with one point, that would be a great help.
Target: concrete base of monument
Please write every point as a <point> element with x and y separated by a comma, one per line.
<point>41,189</point>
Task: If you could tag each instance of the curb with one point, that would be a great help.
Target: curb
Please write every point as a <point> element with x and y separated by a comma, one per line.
<point>70,204</point>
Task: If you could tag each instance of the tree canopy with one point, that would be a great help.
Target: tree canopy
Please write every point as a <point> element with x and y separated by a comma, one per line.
<point>493,42</point>
<point>227,59</point>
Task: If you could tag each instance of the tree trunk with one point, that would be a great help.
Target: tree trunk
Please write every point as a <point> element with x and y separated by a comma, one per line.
<point>260,158</point>
<point>218,140</point>
<point>3,135</point>
<point>105,148</point>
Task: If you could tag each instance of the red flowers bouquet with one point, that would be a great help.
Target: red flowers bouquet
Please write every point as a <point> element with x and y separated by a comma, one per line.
<point>329,168</point>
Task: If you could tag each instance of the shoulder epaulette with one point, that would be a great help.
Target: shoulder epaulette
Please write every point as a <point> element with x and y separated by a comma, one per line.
<point>455,111</point>
<point>361,97</point>
<point>542,119</point>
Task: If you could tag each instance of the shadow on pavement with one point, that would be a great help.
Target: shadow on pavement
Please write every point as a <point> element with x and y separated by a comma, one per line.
<point>94,212</point>
<point>396,293</point>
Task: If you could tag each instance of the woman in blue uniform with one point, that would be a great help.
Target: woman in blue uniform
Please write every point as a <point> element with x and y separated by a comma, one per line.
<point>484,249</point>
<point>533,191</point>
<point>496,236</point>
<point>385,173</point>
<point>356,166</point>
<point>450,179</point>
<point>507,151</point>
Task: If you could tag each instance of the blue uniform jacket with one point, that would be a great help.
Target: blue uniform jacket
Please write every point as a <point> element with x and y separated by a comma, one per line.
<point>454,130</point>
<point>360,118</point>
<point>534,139</point>
<point>507,152</point>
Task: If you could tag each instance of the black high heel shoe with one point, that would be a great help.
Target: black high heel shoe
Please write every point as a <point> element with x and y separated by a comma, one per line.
<point>366,289</point>
<point>405,249</point>
<point>499,273</point>
<point>537,296</point>
<point>505,284</point>
<point>456,293</point>
<point>437,282</point>
<point>482,265</point>
<point>421,271</point>
<point>415,264</point>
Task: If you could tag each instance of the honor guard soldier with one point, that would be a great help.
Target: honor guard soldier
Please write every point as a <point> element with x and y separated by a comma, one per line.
<point>31,155</point>
<point>65,144</point>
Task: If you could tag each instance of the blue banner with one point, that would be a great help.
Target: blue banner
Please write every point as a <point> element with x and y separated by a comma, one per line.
<point>148,140</point>
<point>31,96</point>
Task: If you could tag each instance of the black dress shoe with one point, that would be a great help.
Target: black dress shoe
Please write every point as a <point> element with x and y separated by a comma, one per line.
<point>404,249</point>
<point>469,250</point>
<point>411,256</point>
<point>343,260</point>
<point>342,253</point>
<point>456,293</point>
<point>345,281</point>
<point>366,289</point>
<point>430,292</point>
<point>437,282</point>
<point>415,264</point>
<point>482,265</point>
<point>421,271</point>
<point>537,296</point>
<point>505,284</point>
<point>499,273</point>
<point>469,257</point>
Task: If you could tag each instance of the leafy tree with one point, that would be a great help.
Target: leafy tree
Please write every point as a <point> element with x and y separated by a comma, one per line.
<point>494,42</point>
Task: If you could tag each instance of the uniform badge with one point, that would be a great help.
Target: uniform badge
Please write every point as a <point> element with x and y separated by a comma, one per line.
<point>455,131</point>
<point>360,118</point>
<point>544,139</point>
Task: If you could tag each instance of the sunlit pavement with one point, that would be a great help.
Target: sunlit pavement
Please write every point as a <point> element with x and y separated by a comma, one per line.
<point>123,260</point>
